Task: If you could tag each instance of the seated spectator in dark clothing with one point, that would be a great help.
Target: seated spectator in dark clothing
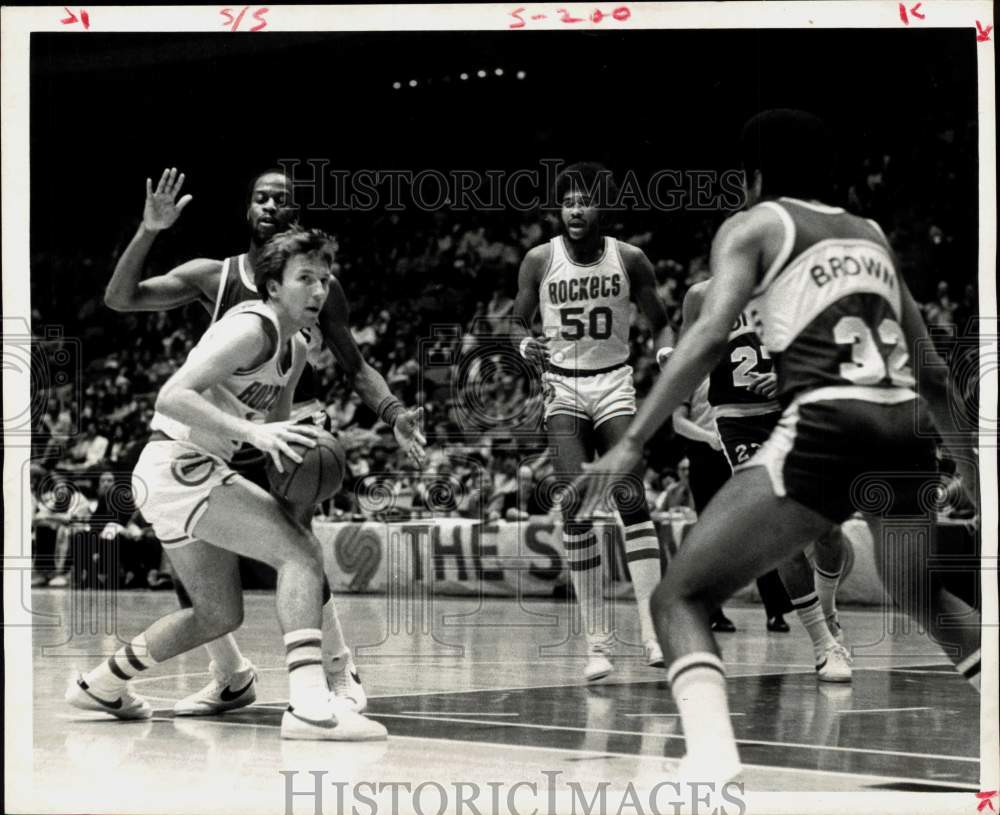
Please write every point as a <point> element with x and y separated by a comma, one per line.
<point>61,510</point>
<point>98,560</point>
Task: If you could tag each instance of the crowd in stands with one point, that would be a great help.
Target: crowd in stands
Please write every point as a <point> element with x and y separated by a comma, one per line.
<point>439,340</point>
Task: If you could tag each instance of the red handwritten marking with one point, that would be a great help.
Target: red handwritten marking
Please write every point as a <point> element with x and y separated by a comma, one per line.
<point>567,17</point>
<point>984,797</point>
<point>983,35</point>
<point>83,18</point>
<point>234,22</point>
<point>621,13</point>
<point>914,10</point>
<point>258,15</point>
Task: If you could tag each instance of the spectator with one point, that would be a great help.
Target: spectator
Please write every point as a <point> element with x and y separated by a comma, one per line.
<point>678,493</point>
<point>88,452</point>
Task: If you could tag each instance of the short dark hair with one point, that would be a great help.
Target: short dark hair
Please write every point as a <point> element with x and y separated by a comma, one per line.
<point>793,151</point>
<point>260,175</point>
<point>275,254</point>
<point>588,177</point>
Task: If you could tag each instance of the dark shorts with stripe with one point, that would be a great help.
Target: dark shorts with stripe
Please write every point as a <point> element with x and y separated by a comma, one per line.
<point>839,455</point>
<point>743,436</point>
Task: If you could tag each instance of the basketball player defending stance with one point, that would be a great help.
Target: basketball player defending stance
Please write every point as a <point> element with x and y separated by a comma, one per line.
<point>829,303</point>
<point>741,392</point>
<point>583,282</point>
<point>218,286</point>
<point>236,387</point>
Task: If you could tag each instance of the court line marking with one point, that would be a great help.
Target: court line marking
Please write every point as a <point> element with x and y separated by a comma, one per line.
<point>881,710</point>
<point>820,748</point>
<point>575,683</point>
<point>521,748</point>
<point>454,713</point>
<point>652,715</point>
<point>645,757</point>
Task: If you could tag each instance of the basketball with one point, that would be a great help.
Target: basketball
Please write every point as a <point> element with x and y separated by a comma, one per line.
<point>317,478</point>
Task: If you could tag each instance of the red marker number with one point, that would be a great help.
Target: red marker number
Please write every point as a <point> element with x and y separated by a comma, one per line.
<point>621,13</point>
<point>233,21</point>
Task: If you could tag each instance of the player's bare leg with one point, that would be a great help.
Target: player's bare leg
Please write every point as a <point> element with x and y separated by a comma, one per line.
<point>715,561</point>
<point>245,520</point>
<point>828,562</point>
<point>833,662</point>
<point>233,677</point>
<point>214,579</point>
<point>342,674</point>
<point>642,544</point>
<point>949,620</point>
<point>581,545</point>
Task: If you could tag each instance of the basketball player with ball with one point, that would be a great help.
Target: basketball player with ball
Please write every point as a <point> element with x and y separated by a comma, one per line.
<point>584,282</point>
<point>219,285</point>
<point>236,387</point>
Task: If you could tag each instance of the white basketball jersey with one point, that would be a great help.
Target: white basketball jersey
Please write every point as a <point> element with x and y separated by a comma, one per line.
<point>585,310</point>
<point>247,394</point>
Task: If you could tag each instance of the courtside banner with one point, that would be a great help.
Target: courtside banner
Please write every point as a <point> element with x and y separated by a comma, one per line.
<point>525,559</point>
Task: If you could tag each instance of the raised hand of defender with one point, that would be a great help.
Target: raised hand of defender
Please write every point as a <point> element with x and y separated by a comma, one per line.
<point>408,435</point>
<point>595,485</point>
<point>275,438</point>
<point>162,207</point>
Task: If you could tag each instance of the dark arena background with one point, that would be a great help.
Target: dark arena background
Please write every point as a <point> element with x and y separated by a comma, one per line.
<point>469,649</point>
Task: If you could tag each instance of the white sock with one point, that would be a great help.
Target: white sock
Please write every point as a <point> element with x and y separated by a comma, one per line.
<point>811,614</point>
<point>226,656</point>
<point>826,590</point>
<point>698,683</point>
<point>112,674</point>
<point>970,669</point>
<point>642,553</point>
<point>583,556</point>
<point>307,690</point>
<point>335,648</point>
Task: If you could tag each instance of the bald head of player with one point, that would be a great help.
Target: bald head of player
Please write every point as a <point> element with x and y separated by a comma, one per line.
<point>582,190</point>
<point>787,152</point>
<point>270,209</point>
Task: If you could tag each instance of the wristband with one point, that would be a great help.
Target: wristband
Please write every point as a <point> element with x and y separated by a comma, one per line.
<point>524,346</point>
<point>389,410</point>
<point>662,355</point>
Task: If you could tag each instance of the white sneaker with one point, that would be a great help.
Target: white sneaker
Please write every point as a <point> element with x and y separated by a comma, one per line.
<point>654,656</point>
<point>346,684</point>
<point>343,724</point>
<point>598,665</point>
<point>221,694</point>
<point>836,667</point>
<point>833,624</point>
<point>60,581</point>
<point>126,705</point>
<point>714,772</point>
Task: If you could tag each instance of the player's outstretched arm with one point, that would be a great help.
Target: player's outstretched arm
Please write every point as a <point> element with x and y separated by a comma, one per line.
<point>529,278</point>
<point>371,386</point>
<point>931,374</point>
<point>642,278</point>
<point>239,345</point>
<point>184,284</point>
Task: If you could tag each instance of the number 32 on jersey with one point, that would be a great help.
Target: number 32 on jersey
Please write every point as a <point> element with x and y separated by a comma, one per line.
<point>873,360</point>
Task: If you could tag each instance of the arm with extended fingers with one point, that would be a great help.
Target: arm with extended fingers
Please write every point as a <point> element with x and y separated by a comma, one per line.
<point>184,284</point>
